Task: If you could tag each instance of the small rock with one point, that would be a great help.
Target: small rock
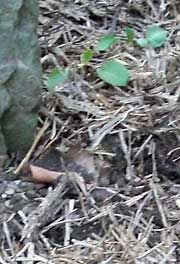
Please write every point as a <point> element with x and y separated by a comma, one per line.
<point>10,191</point>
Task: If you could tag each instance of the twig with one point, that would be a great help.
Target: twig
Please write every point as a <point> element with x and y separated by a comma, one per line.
<point>127,152</point>
<point>158,202</point>
<point>68,209</point>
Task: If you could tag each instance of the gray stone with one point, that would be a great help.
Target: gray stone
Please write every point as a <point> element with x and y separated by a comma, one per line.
<point>20,74</point>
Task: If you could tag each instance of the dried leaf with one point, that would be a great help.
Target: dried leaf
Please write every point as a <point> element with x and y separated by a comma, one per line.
<point>82,158</point>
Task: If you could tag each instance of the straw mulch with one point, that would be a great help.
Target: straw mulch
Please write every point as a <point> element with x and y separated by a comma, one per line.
<point>122,203</point>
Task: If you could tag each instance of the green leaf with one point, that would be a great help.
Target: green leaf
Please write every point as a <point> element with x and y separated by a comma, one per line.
<point>142,42</point>
<point>86,56</point>
<point>156,36</point>
<point>113,72</point>
<point>57,77</point>
<point>105,42</point>
<point>130,34</point>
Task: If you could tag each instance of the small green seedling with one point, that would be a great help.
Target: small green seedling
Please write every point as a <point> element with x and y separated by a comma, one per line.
<point>86,56</point>
<point>105,42</point>
<point>57,77</point>
<point>113,72</point>
<point>156,36</point>
<point>142,42</point>
<point>129,34</point>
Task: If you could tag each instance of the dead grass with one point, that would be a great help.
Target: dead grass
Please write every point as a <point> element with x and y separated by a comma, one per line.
<point>135,218</point>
